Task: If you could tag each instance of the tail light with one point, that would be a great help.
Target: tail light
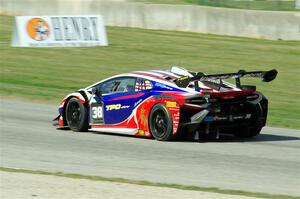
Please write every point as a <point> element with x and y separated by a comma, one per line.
<point>252,97</point>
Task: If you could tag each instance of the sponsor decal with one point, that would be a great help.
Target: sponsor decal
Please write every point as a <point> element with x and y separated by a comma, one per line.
<point>96,113</point>
<point>220,118</point>
<point>163,86</point>
<point>116,107</point>
<point>113,107</point>
<point>138,102</point>
<point>225,118</point>
<point>160,97</point>
<point>124,107</point>
<point>182,78</point>
<point>59,31</point>
<point>170,104</point>
<point>38,29</point>
<point>141,132</point>
<point>75,28</point>
<point>208,119</point>
<point>143,117</point>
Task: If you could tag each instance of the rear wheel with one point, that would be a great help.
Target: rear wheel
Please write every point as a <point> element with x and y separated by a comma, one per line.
<point>160,123</point>
<point>248,132</point>
<point>76,115</point>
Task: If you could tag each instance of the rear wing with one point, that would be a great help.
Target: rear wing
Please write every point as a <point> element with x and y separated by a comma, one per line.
<point>266,76</point>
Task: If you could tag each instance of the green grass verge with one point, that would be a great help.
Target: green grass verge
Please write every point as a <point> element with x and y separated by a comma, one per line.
<point>275,5</point>
<point>48,74</point>
<point>154,184</point>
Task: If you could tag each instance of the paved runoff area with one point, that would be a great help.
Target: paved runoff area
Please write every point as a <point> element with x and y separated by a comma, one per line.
<point>29,186</point>
<point>269,163</point>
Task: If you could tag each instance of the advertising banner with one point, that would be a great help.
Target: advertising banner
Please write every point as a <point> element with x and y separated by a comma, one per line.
<point>59,31</point>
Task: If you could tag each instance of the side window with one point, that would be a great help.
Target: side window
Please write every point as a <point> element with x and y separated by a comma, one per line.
<point>143,84</point>
<point>122,84</point>
<point>126,85</point>
<point>108,86</point>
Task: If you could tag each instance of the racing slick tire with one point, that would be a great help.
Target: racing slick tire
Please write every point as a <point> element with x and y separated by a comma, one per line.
<point>77,115</point>
<point>160,123</point>
<point>248,132</point>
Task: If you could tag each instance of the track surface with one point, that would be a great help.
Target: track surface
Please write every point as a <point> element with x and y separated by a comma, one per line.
<point>269,163</point>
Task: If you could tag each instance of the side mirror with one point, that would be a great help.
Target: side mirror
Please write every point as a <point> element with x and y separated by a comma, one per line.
<point>97,92</point>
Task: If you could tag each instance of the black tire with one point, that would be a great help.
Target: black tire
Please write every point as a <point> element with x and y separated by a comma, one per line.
<point>76,115</point>
<point>160,123</point>
<point>248,132</point>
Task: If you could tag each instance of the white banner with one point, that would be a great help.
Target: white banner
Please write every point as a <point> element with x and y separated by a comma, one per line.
<point>59,31</point>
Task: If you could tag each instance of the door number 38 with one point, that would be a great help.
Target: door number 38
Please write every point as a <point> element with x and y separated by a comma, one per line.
<point>97,112</point>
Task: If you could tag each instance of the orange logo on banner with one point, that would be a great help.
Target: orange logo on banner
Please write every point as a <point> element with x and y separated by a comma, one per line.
<point>38,29</point>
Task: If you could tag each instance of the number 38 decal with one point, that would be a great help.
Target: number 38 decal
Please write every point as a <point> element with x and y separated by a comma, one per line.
<point>97,112</point>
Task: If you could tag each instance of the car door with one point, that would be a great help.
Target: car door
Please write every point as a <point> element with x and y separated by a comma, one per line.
<point>118,105</point>
<point>96,102</point>
<point>119,98</point>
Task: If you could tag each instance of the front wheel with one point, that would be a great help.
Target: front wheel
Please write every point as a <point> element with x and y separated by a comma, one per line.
<point>160,123</point>
<point>76,115</point>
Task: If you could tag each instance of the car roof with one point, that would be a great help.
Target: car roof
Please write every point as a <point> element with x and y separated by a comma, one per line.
<point>163,76</point>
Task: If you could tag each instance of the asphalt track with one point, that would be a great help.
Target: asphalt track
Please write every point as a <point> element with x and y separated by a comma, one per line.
<point>269,163</point>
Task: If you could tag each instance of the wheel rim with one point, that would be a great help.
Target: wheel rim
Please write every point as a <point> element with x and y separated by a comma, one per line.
<point>160,123</point>
<point>74,114</point>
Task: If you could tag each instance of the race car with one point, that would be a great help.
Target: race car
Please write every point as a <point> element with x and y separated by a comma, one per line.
<point>166,104</point>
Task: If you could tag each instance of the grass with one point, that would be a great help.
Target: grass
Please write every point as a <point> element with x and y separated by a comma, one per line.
<point>275,5</point>
<point>48,74</point>
<point>154,184</point>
